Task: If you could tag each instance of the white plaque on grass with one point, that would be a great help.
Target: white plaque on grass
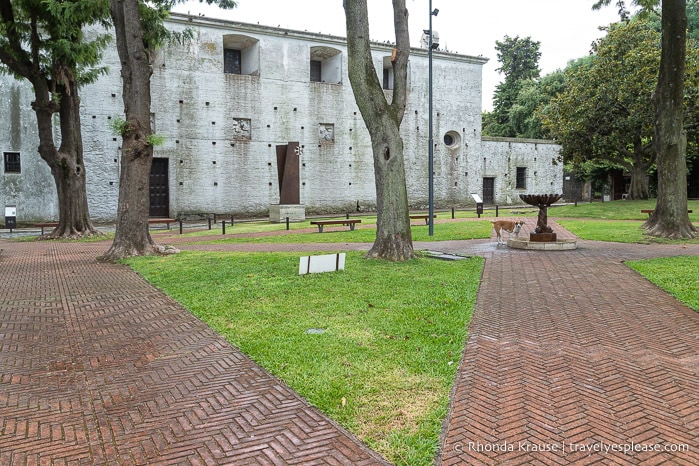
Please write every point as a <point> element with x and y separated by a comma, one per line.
<point>324,263</point>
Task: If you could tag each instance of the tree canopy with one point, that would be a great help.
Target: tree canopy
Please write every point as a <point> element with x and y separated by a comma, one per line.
<point>519,62</point>
<point>605,111</point>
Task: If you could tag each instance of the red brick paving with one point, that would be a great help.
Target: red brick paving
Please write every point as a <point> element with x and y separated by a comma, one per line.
<point>97,367</point>
<point>571,351</point>
<point>566,348</point>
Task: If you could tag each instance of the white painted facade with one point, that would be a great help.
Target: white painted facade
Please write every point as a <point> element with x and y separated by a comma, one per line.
<point>221,129</point>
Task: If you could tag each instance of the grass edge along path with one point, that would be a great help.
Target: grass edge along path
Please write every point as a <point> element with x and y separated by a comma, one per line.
<point>676,275</point>
<point>375,347</point>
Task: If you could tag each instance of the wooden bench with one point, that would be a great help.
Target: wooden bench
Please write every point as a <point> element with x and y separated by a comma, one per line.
<point>166,221</point>
<point>45,225</point>
<point>650,212</point>
<point>425,217</point>
<point>347,221</point>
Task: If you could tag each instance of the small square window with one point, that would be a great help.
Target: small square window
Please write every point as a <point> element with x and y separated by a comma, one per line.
<point>521,181</point>
<point>12,163</point>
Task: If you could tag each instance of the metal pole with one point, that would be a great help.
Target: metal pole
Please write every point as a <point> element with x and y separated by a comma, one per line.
<point>430,152</point>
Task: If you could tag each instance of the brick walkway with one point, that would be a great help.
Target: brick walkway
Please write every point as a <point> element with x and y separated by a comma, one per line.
<point>97,367</point>
<point>566,348</point>
<point>572,352</point>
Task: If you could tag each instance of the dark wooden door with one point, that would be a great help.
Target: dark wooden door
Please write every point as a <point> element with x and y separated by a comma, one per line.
<point>489,191</point>
<point>159,188</point>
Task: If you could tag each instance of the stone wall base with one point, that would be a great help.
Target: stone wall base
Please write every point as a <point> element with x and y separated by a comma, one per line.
<point>279,212</point>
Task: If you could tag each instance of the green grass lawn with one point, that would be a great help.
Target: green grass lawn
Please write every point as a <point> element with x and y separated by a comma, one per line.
<point>376,347</point>
<point>676,275</point>
<point>614,210</point>
<point>392,333</point>
<point>472,229</point>
<point>616,221</point>
<point>264,226</point>
<point>619,231</point>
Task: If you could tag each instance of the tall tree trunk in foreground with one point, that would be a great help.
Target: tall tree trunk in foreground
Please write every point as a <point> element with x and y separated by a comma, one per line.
<point>393,236</point>
<point>670,218</point>
<point>132,237</point>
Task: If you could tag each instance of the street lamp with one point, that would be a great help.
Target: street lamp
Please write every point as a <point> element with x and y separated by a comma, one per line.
<point>430,151</point>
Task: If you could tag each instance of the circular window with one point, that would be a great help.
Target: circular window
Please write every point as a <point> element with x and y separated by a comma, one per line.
<point>452,140</point>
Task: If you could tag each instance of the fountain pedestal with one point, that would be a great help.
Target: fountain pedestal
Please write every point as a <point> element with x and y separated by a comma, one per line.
<point>542,237</point>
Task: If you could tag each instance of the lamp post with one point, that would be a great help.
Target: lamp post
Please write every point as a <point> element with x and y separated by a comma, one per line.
<point>430,150</point>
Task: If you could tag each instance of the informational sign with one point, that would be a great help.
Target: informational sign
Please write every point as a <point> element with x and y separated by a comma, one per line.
<point>323,263</point>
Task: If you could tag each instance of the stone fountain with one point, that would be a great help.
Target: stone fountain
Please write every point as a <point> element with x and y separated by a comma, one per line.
<point>543,231</point>
<point>543,236</point>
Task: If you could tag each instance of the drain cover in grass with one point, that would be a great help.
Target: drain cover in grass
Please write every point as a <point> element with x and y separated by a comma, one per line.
<point>445,256</point>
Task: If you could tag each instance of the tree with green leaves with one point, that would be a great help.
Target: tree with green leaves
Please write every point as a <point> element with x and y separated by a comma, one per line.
<point>670,218</point>
<point>139,30</point>
<point>605,112</point>
<point>533,95</point>
<point>393,236</point>
<point>43,42</point>
<point>519,62</point>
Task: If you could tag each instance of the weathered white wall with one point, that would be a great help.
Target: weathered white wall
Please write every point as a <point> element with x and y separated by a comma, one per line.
<point>221,130</point>
<point>33,190</point>
<point>502,156</point>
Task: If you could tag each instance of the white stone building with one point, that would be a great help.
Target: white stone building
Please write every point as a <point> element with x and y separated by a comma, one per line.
<point>225,100</point>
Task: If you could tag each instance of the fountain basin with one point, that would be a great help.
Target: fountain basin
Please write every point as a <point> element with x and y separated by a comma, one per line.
<point>540,199</point>
<point>558,245</point>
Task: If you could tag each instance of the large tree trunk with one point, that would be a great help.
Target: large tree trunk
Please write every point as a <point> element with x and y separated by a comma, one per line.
<point>670,218</point>
<point>66,163</point>
<point>639,182</point>
<point>639,171</point>
<point>132,237</point>
<point>393,236</point>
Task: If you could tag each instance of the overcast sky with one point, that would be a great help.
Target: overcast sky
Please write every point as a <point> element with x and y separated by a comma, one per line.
<point>565,28</point>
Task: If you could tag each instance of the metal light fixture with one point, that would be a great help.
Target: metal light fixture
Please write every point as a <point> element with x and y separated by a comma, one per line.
<point>430,151</point>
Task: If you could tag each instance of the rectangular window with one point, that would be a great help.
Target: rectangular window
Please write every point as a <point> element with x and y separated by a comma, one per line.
<point>386,78</point>
<point>521,182</point>
<point>12,164</point>
<point>232,61</point>
<point>315,71</point>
